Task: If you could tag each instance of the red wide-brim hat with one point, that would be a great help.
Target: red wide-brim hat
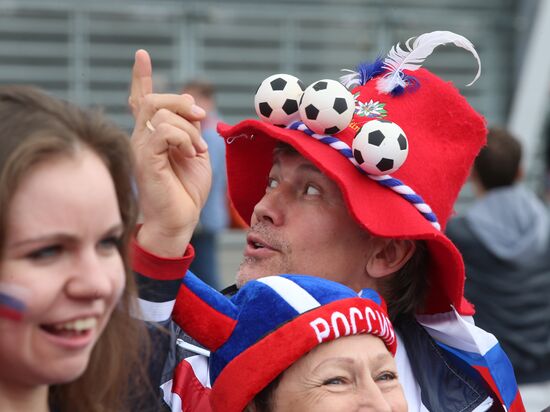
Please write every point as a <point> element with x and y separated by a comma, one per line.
<point>444,135</point>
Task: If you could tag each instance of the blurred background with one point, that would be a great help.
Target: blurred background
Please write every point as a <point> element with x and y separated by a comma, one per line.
<point>83,51</point>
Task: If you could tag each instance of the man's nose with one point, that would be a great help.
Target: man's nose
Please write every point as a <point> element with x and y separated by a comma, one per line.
<point>272,207</point>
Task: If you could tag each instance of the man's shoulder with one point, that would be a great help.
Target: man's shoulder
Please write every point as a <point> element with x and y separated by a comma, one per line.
<point>457,386</point>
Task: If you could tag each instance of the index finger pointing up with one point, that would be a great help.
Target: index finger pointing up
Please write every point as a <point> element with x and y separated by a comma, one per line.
<point>142,79</point>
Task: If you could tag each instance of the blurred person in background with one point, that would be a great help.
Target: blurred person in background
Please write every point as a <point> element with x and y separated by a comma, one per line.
<point>504,238</point>
<point>214,216</point>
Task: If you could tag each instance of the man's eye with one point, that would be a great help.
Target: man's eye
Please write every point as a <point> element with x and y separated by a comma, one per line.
<point>312,190</point>
<point>272,183</point>
<point>45,252</point>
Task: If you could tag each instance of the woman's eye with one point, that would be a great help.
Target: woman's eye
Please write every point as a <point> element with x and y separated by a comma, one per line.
<point>45,252</point>
<point>111,242</point>
<point>387,376</point>
<point>312,190</point>
<point>334,381</point>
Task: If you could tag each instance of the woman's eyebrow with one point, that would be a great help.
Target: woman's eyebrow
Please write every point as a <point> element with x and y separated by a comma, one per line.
<point>53,237</point>
<point>382,357</point>
<point>59,237</point>
<point>338,360</point>
<point>377,360</point>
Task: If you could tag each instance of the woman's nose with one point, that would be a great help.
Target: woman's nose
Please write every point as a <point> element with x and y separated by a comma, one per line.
<point>92,277</point>
<point>371,399</point>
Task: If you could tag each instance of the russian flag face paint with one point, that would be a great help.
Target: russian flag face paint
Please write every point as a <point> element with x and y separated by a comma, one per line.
<point>13,300</point>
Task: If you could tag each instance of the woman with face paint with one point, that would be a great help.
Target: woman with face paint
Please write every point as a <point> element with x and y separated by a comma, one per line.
<point>67,341</point>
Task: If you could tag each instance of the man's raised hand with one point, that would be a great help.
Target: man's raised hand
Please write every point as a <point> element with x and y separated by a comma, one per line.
<point>172,166</point>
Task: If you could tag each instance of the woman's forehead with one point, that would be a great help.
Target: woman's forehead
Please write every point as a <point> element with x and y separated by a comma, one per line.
<point>349,350</point>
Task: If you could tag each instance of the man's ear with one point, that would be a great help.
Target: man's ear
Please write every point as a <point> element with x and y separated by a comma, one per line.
<point>387,256</point>
<point>251,407</point>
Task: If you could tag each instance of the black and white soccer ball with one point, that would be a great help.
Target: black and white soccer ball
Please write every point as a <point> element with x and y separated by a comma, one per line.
<point>380,147</point>
<point>327,107</point>
<point>277,98</point>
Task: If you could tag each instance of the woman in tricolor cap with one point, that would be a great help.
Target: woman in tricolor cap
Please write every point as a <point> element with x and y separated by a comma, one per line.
<point>293,343</point>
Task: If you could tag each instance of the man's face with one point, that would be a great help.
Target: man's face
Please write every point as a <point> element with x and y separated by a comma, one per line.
<point>302,226</point>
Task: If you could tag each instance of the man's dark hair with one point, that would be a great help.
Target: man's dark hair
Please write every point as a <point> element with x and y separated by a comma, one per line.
<point>405,291</point>
<point>497,164</point>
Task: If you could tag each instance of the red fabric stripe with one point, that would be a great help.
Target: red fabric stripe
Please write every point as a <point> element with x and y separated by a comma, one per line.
<point>194,396</point>
<point>158,267</point>
<point>517,405</point>
<point>484,372</point>
<point>200,320</point>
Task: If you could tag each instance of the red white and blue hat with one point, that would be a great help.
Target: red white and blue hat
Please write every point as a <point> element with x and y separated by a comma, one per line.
<point>269,324</point>
<point>443,136</point>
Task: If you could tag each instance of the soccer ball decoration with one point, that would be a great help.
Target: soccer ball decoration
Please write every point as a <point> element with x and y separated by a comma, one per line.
<point>327,107</point>
<point>380,147</point>
<point>276,100</point>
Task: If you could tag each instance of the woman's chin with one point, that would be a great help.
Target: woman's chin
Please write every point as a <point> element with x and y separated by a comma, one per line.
<point>66,372</point>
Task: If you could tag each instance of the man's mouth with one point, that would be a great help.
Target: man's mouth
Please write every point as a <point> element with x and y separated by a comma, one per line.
<point>257,245</point>
<point>256,241</point>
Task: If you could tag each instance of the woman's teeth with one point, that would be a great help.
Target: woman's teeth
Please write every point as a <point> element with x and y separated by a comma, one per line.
<point>78,325</point>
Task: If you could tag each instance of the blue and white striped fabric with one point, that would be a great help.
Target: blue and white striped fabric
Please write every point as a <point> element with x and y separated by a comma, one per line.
<point>292,293</point>
<point>458,335</point>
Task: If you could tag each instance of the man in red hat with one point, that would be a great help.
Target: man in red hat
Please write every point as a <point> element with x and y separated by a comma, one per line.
<point>316,209</point>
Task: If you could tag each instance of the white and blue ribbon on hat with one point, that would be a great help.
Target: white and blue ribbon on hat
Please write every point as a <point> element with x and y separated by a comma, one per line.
<point>385,180</point>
